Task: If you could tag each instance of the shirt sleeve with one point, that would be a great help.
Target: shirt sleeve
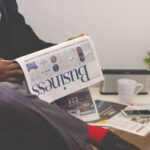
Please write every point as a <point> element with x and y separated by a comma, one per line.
<point>24,39</point>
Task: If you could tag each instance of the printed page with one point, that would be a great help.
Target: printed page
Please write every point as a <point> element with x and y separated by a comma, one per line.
<point>136,125</point>
<point>63,69</point>
<point>79,104</point>
<point>107,110</point>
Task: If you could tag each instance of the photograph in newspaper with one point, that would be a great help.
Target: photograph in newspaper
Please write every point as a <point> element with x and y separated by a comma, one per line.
<point>137,125</point>
<point>63,69</point>
<point>80,105</point>
<point>107,110</point>
<point>142,119</point>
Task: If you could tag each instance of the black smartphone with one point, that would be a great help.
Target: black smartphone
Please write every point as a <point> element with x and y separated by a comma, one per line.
<point>143,112</point>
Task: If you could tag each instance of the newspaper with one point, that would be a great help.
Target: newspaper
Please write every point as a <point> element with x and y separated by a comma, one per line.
<point>79,104</point>
<point>110,117</point>
<point>63,69</point>
<point>139,125</point>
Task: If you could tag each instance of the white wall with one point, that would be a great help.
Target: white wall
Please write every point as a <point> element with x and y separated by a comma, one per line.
<point>120,29</point>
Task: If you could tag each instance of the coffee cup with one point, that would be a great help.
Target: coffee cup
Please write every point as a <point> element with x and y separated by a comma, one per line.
<point>128,89</point>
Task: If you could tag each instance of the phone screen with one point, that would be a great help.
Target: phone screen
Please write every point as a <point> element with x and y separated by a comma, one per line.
<point>137,112</point>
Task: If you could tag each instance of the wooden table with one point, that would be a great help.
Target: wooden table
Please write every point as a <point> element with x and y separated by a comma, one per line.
<point>142,142</point>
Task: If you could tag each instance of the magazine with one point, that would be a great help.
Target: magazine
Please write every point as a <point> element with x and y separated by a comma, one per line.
<point>79,104</point>
<point>63,69</point>
<point>110,116</point>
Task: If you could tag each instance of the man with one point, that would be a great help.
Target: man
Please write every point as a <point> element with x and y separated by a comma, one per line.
<point>28,123</point>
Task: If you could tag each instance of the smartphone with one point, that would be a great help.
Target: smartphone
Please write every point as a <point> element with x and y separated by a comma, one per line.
<point>143,112</point>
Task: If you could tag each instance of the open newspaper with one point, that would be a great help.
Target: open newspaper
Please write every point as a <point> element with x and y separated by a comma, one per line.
<point>63,69</point>
<point>110,116</point>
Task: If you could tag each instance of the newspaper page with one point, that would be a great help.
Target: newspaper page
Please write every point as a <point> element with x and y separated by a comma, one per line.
<point>79,104</point>
<point>110,117</point>
<point>107,110</point>
<point>63,69</point>
<point>139,125</point>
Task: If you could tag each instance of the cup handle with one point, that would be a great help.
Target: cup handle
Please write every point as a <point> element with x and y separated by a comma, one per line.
<point>139,87</point>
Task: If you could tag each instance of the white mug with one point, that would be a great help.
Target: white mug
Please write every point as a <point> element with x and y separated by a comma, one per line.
<point>127,89</point>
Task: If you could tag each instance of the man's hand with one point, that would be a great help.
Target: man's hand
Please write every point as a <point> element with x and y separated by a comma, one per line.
<point>10,71</point>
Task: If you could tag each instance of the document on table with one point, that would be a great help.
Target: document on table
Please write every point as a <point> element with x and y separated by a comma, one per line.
<point>110,117</point>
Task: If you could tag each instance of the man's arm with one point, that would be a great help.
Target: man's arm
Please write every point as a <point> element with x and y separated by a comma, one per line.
<point>24,39</point>
<point>19,37</point>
